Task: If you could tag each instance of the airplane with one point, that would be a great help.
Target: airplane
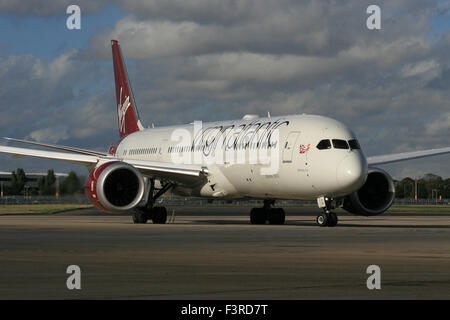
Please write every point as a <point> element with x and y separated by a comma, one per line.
<point>304,157</point>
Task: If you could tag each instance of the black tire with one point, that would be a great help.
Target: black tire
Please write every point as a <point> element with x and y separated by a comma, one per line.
<point>140,217</point>
<point>159,215</point>
<point>257,216</point>
<point>333,220</point>
<point>276,216</point>
<point>322,220</point>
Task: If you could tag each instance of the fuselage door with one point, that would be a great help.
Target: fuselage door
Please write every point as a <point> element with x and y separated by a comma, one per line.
<point>289,145</point>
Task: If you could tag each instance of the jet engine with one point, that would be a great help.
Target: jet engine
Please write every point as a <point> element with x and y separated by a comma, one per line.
<point>374,197</point>
<point>115,186</point>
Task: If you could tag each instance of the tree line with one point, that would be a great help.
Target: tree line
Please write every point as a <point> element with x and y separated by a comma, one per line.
<point>46,185</point>
<point>429,186</point>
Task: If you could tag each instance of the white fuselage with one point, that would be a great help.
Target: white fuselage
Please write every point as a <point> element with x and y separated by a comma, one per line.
<point>274,157</point>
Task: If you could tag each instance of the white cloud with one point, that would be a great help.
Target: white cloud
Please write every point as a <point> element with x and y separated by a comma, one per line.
<point>440,126</point>
<point>49,135</point>
<point>429,67</point>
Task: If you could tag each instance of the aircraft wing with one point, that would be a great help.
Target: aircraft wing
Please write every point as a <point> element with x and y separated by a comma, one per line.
<point>389,158</point>
<point>86,160</point>
<point>160,170</point>
<point>64,148</point>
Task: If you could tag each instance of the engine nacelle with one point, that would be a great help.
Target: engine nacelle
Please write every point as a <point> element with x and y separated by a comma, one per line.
<point>115,186</point>
<point>374,197</point>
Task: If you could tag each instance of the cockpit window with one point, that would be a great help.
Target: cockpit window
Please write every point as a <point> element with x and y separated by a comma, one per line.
<point>354,144</point>
<point>340,144</point>
<point>324,144</point>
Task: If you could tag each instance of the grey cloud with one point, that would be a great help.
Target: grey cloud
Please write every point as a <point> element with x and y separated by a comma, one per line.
<point>443,7</point>
<point>442,48</point>
<point>270,27</point>
<point>442,82</point>
<point>201,11</point>
<point>95,117</point>
<point>47,7</point>
<point>32,85</point>
<point>41,98</point>
<point>213,60</point>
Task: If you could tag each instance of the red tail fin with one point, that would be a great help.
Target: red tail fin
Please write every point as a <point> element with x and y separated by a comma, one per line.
<point>128,122</point>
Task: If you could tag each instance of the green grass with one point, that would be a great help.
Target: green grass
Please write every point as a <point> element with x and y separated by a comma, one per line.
<point>412,209</point>
<point>419,208</point>
<point>40,208</point>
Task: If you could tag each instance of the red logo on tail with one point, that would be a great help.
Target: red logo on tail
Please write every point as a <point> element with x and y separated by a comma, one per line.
<point>125,104</point>
<point>122,111</point>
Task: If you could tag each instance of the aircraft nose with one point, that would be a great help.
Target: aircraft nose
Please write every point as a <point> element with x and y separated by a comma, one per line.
<point>352,172</point>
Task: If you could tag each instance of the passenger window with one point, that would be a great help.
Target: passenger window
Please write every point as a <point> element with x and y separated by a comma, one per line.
<point>340,144</point>
<point>324,144</point>
<point>354,144</point>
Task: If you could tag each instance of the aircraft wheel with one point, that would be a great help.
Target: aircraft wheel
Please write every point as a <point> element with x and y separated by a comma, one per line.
<point>257,216</point>
<point>276,216</point>
<point>333,220</point>
<point>322,219</point>
<point>140,217</point>
<point>159,215</point>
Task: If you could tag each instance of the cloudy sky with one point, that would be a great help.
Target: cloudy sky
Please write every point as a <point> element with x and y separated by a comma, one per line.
<point>220,59</point>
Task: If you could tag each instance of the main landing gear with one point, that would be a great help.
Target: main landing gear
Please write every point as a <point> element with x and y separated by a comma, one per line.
<point>266,213</point>
<point>327,218</point>
<point>157,214</point>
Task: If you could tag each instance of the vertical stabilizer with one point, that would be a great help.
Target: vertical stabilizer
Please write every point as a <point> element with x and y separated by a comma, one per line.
<point>128,120</point>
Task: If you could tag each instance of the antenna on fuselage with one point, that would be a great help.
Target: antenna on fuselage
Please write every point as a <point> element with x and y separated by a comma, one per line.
<point>268,114</point>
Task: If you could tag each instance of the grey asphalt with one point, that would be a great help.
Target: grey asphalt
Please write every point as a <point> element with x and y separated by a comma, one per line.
<point>214,253</point>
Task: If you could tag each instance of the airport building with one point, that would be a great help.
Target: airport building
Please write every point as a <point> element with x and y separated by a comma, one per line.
<point>32,178</point>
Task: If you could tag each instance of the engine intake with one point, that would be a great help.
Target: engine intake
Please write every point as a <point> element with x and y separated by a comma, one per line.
<point>374,197</point>
<point>115,186</point>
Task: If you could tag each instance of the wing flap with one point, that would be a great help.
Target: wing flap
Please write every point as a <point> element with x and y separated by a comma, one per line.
<point>390,158</point>
<point>184,174</point>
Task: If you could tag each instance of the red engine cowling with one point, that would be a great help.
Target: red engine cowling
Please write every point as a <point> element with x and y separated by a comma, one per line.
<point>115,186</point>
<point>374,197</point>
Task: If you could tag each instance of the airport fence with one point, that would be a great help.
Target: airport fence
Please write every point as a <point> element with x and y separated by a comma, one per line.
<point>421,202</point>
<point>179,201</point>
<point>11,200</point>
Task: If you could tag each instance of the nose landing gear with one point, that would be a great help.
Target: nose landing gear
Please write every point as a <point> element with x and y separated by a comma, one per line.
<point>327,218</point>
